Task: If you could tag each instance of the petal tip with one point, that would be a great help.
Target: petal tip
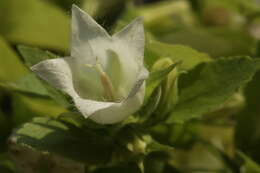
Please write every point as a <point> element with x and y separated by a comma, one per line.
<point>34,67</point>
<point>76,10</point>
<point>75,7</point>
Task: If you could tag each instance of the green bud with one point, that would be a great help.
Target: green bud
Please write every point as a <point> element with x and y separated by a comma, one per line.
<point>169,86</point>
<point>162,63</point>
<point>137,146</point>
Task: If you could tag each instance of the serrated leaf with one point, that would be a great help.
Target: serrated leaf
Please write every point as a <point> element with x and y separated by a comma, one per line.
<point>50,135</point>
<point>206,87</point>
<point>247,135</point>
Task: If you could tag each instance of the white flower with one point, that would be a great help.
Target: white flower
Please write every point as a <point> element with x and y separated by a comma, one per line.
<point>104,74</point>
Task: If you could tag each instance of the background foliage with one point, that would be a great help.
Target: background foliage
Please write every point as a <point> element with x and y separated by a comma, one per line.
<point>202,109</point>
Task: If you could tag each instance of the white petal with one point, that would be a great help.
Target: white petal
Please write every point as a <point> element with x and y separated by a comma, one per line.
<point>143,74</point>
<point>117,112</point>
<point>133,36</point>
<point>71,76</point>
<point>88,37</point>
<point>114,113</point>
<point>129,45</point>
<point>57,73</point>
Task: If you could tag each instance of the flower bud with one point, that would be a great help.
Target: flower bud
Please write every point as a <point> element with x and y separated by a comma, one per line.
<point>169,86</point>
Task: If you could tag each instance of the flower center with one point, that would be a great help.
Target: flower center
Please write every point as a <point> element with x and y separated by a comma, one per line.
<point>108,87</point>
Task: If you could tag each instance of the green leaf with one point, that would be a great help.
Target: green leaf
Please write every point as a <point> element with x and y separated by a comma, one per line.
<point>34,22</point>
<point>60,97</point>
<point>217,42</point>
<point>11,67</point>
<point>64,139</point>
<point>247,129</point>
<point>33,56</point>
<point>24,108</point>
<point>151,105</point>
<point>206,87</point>
<point>188,56</point>
<point>229,163</point>
<point>29,84</point>
<point>177,135</point>
<point>6,165</point>
<point>155,146</point>
<point>249,166</point>
<point>31,98</point>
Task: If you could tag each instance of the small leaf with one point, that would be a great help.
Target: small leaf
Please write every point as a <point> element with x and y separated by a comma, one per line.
<point>249,165</point>
<point>206,87</point>
<point>29,84</point>
<point>64,139</point>
<point>155,146</point>
<point>151,104</point>
<point>33,56</point>
<point>60,97</point>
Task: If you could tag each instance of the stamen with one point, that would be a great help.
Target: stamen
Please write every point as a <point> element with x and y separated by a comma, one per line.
<point>105,80</point>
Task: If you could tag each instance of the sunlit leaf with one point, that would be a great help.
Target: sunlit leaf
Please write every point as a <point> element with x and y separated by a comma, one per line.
<point>50,135</point>
<point>188,57</point>
<point>11,67</point>
<point>206,87</point>
<point>34,22</point>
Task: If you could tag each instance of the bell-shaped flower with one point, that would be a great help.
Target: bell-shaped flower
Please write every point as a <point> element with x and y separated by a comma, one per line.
<point>104,75</point>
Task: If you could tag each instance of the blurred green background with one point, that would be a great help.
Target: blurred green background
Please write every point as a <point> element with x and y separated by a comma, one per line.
<point>219,28</point>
